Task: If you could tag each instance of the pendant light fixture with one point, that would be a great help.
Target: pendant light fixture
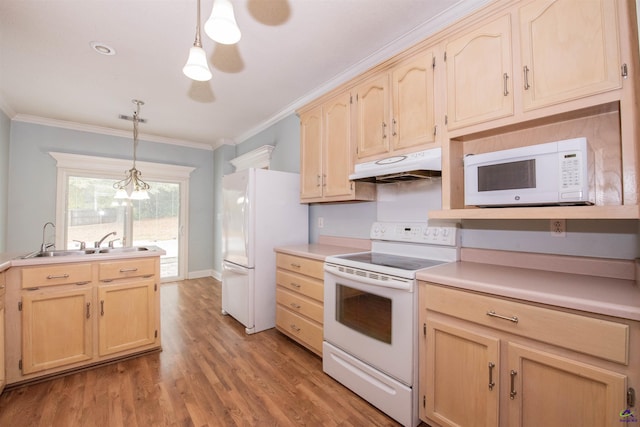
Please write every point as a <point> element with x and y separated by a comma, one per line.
<point>133,176</point>
<point>221,25</point>
<point>197,67</point>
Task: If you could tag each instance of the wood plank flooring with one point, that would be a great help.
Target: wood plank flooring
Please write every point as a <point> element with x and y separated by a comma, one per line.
<point>210,373</point>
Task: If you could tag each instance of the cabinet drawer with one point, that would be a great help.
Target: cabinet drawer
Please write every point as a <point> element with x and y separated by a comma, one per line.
<point>129,268</point>
<point>601,338</point>
<point>299,328</point>
<point>306,266</point>
<point>58,274</point>
<point>299,304</point>
<point>307,286</point>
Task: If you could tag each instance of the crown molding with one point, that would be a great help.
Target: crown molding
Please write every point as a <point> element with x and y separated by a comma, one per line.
<point>259,158</point>
<point>106,131</point>
<point>418,34</point>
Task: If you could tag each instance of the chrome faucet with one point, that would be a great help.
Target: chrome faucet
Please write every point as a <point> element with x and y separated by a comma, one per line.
<point>99,242</point>
<point>45,245</point>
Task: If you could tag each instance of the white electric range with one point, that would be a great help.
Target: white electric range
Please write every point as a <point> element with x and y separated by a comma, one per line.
<point>370,313</point>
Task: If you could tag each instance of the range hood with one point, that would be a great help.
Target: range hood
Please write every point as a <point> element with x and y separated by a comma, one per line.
<point>408,167</point>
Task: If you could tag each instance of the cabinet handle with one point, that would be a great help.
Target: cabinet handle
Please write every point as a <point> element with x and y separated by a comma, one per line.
<point>294,328</point>
<point>324,180</point>
<point>294,265</point>
<point>526,78</point>
<point>384,130</point>
<point>88,310</point>
<point>624,71</point>
<point>513,392</point>
<point>128,270</point>
<point>294,305</point>
<point>393,127</point>
<point>1,286</point>
<point>491,383</point>
<point>101,307</point>
<point>318,181</point>
<point>505,76</point>
<point>492,313</point>
<point>61,276</point>
<point>295,285</point>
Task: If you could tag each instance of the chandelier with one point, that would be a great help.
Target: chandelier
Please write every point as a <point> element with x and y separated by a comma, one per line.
<point>133,178</point>
<point>222,28</point>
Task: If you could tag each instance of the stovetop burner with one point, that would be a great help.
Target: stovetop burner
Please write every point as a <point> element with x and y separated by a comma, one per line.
<point>389,260</point>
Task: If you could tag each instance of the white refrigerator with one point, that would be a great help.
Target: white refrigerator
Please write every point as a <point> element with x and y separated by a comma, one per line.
<point>260,210</point>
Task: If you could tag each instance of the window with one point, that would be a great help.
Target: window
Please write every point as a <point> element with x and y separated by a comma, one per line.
<point>88,212</point>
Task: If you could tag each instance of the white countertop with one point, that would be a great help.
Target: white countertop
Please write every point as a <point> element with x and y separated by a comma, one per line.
<point>14,259</point>
<point>317,250</point>
<point>602,295</point>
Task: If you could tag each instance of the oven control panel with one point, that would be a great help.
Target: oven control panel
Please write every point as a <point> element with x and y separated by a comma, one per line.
<point>446,235</point>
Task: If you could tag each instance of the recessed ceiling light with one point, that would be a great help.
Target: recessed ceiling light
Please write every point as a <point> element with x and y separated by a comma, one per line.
<point>102,48</point>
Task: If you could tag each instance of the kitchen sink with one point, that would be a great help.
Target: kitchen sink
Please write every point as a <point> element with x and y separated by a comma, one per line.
<point>122,250</point>
<point>79,252</point>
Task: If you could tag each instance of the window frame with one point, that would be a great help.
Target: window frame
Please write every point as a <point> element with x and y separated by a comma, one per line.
<point>105,167</point>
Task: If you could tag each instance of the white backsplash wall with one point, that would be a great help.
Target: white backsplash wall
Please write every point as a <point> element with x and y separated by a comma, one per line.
<point>409,201</point>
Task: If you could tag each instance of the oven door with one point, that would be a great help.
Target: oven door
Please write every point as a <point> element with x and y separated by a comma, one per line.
<point>373,323</point>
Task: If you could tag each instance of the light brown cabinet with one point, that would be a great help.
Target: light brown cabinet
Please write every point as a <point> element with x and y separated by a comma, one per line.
<point>558,60</point>
<point>3,375</point>
<point>299,298</point>
<point>413,102</point>
<point>71,315</point>
<point>127,302</point>
<point>395,109</point>
<point>56,327</point>
<point>520,364</point>
<point>326,158</point>
<point>569,50</point>
<point>480,74</point>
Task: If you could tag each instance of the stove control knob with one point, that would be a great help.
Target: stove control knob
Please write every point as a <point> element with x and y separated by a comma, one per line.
<point>436,232</point>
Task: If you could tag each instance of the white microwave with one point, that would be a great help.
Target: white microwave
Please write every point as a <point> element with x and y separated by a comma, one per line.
<point>554,173</point>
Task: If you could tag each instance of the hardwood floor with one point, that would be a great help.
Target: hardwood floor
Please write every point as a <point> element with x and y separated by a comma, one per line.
<point>210,373</point>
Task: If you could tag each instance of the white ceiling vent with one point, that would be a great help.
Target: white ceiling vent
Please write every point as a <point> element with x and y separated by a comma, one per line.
<point>260,158</point>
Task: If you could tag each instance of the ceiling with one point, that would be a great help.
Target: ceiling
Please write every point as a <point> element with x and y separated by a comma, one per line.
<point>291,51</point>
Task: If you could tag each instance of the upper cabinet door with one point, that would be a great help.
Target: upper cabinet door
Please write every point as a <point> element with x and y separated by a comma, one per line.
<point>337,147</point>
<point>570,49</point>
<point>413,120</point>
<point>372,116</point>
<point>479,75</point>
<point>311,154</point>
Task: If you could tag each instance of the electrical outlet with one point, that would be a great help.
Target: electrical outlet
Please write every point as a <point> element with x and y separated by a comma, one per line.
<point>320,222</point>
<point>558,228</point>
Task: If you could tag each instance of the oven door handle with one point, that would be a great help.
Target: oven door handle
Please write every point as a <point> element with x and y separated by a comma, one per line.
<point>402,284</point>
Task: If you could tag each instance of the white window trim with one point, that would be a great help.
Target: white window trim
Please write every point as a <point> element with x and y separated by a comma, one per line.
<point>77,164</point>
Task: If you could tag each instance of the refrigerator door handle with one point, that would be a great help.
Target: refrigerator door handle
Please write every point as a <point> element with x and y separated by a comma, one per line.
<point>228,266</point>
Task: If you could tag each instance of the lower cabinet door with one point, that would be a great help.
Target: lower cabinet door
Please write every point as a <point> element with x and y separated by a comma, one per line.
<point>300,329</point>
<point>550,390</point>
<point>462,376</point>
<point>56,329</point>
<point>126,314</point>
